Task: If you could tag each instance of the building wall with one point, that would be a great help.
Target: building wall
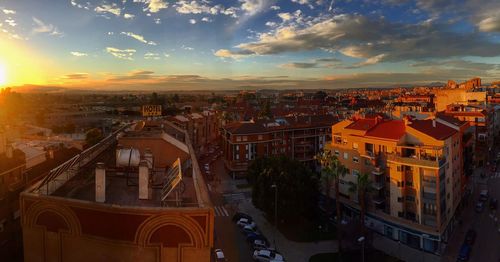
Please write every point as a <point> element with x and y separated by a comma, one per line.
<point>67,230</point>
<point>164,153</point>
<point>445,97</point>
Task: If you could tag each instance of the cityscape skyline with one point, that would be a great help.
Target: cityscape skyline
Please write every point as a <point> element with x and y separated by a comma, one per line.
<point>165,45</point>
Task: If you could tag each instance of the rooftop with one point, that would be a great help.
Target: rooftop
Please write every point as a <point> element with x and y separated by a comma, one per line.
<point>285,123</point>
<point>435,130</point>
<point>391,129</point>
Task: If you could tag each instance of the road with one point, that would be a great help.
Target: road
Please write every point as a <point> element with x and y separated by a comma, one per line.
<point>486,223</point>
<point>228,236</point>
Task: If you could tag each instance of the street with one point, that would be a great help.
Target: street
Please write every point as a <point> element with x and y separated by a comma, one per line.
<point>485,223</point>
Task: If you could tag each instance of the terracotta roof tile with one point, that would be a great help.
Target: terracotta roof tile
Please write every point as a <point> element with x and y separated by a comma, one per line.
<point>392,129</point>
<point>440,131</point>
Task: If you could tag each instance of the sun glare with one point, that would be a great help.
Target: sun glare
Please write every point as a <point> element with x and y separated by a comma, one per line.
<point>3,75</point>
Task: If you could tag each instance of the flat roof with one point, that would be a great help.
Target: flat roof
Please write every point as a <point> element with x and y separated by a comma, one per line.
<point>123,191</point>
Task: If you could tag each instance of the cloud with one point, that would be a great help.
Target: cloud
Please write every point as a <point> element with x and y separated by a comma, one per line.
<point>206,19</point>
<point>128,16</point>
<point>224,53</point>
<point>152,56</point>
<point>137,37</point>
<point>78,54</point>
<point>157,21</point>
<point>271,24</point>
<point>108,8</point>
<point>253,7</point>
<point>187,48</point>
<point>76,76</point>
<point>11,22</point>
<point>85,6</point>
<point>8,12</point>
<point>153,6</point>
<point>300,65</point>
<point>304,2</point>
<point>317,63</point>
<point>121,53</point>
<point>458,64</point>
<point>490,24</point>
<point>369,38</point>
<point>192,21</point>
<point>274,7</point>
<point>373,60</point>
<point>41,27</point>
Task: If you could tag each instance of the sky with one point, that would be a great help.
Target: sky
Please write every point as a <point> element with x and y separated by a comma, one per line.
<point>238,44</point>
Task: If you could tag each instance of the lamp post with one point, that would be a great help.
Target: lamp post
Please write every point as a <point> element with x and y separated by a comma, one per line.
<point>275,212</point>
<point>362,241</point>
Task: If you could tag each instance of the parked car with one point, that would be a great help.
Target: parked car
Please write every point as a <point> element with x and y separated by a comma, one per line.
<point>219,255</point>
<point>249,229</point>
<point>479,206</point>
<point>493,204</point>
<point>267,255</point>
<point>260,244</point>
<point>464,253</point>
<point>252,236</point>
<point>245,222</point>
<point>484,195</point>
<point>240,215</point>
<point>470,237</point>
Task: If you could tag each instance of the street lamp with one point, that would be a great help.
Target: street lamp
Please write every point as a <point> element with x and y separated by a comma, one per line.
<point>275,211</point>
<point>362,241</point>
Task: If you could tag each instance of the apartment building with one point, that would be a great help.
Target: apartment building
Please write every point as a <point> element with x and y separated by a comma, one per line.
<point>202,128</point>
<point>300,137</point>
<point>481,119</point>
<point>415,169</point>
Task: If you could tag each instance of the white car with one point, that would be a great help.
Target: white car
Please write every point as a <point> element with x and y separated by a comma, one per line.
<point>250,229</point>
<point>267,255</point>
<point>245,222</point>
<point>259,244</point>
<point>219,255</point>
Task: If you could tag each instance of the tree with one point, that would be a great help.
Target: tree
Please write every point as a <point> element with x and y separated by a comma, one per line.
<point>93,136</point>
<point>361,188</point>
<point>266,111</point>
<point>332,169</point>
<point>321,95</point>
<point>297,187</point>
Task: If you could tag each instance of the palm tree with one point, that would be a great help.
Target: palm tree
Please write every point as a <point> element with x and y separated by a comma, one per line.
<point>332,169</point>
<point>361,187</point>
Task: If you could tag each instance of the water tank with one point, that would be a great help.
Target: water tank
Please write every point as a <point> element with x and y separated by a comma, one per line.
<point>126,156</point>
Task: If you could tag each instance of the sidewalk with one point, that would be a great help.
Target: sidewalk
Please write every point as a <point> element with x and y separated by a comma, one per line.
<point>401,251</point>
<point>292,251</point>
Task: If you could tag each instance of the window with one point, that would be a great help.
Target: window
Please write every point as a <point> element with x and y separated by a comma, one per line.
<point>409,183</point>
<point>399,168</point>
<point>345,141</point>
<point>400,199</point>
<point>400,214</point>
<point>367,162</point>
<point>410,198</point>
<point>260,137</point>
<point>355,172</point>
<point>355,146</point>
<point>401,184</point>
<point>238,138</point>
<point>245,138</point>
<point>337,152</point>
<point>346,155</point>
<point>236,152</point>
<point>355,159</point>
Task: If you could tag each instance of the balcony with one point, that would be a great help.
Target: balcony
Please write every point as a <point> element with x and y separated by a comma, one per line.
<point>415,160</point>
<point>377,200</point>
<point>378,171</point>
<point>378,185</point>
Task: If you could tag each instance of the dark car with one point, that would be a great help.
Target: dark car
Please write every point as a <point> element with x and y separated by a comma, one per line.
<point>479,207</point>
<point>470,237</point>
<point>464,253</point>
<point>493,203</point>
<point>240,215</point>
<point>251,237</point>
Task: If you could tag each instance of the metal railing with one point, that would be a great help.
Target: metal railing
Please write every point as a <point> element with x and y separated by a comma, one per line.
<point>64,172</point>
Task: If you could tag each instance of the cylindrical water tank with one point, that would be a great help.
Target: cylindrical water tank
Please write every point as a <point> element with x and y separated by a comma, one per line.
<point>128,155</point>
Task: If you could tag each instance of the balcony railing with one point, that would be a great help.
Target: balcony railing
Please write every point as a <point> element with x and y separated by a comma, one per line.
<point>417,160</point>
<point>378,171</point>
<point>378,185</point>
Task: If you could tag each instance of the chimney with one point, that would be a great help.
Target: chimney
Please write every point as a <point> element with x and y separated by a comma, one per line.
<point>143,180</point>
<point>100,183</point>
<point>148,156</point>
